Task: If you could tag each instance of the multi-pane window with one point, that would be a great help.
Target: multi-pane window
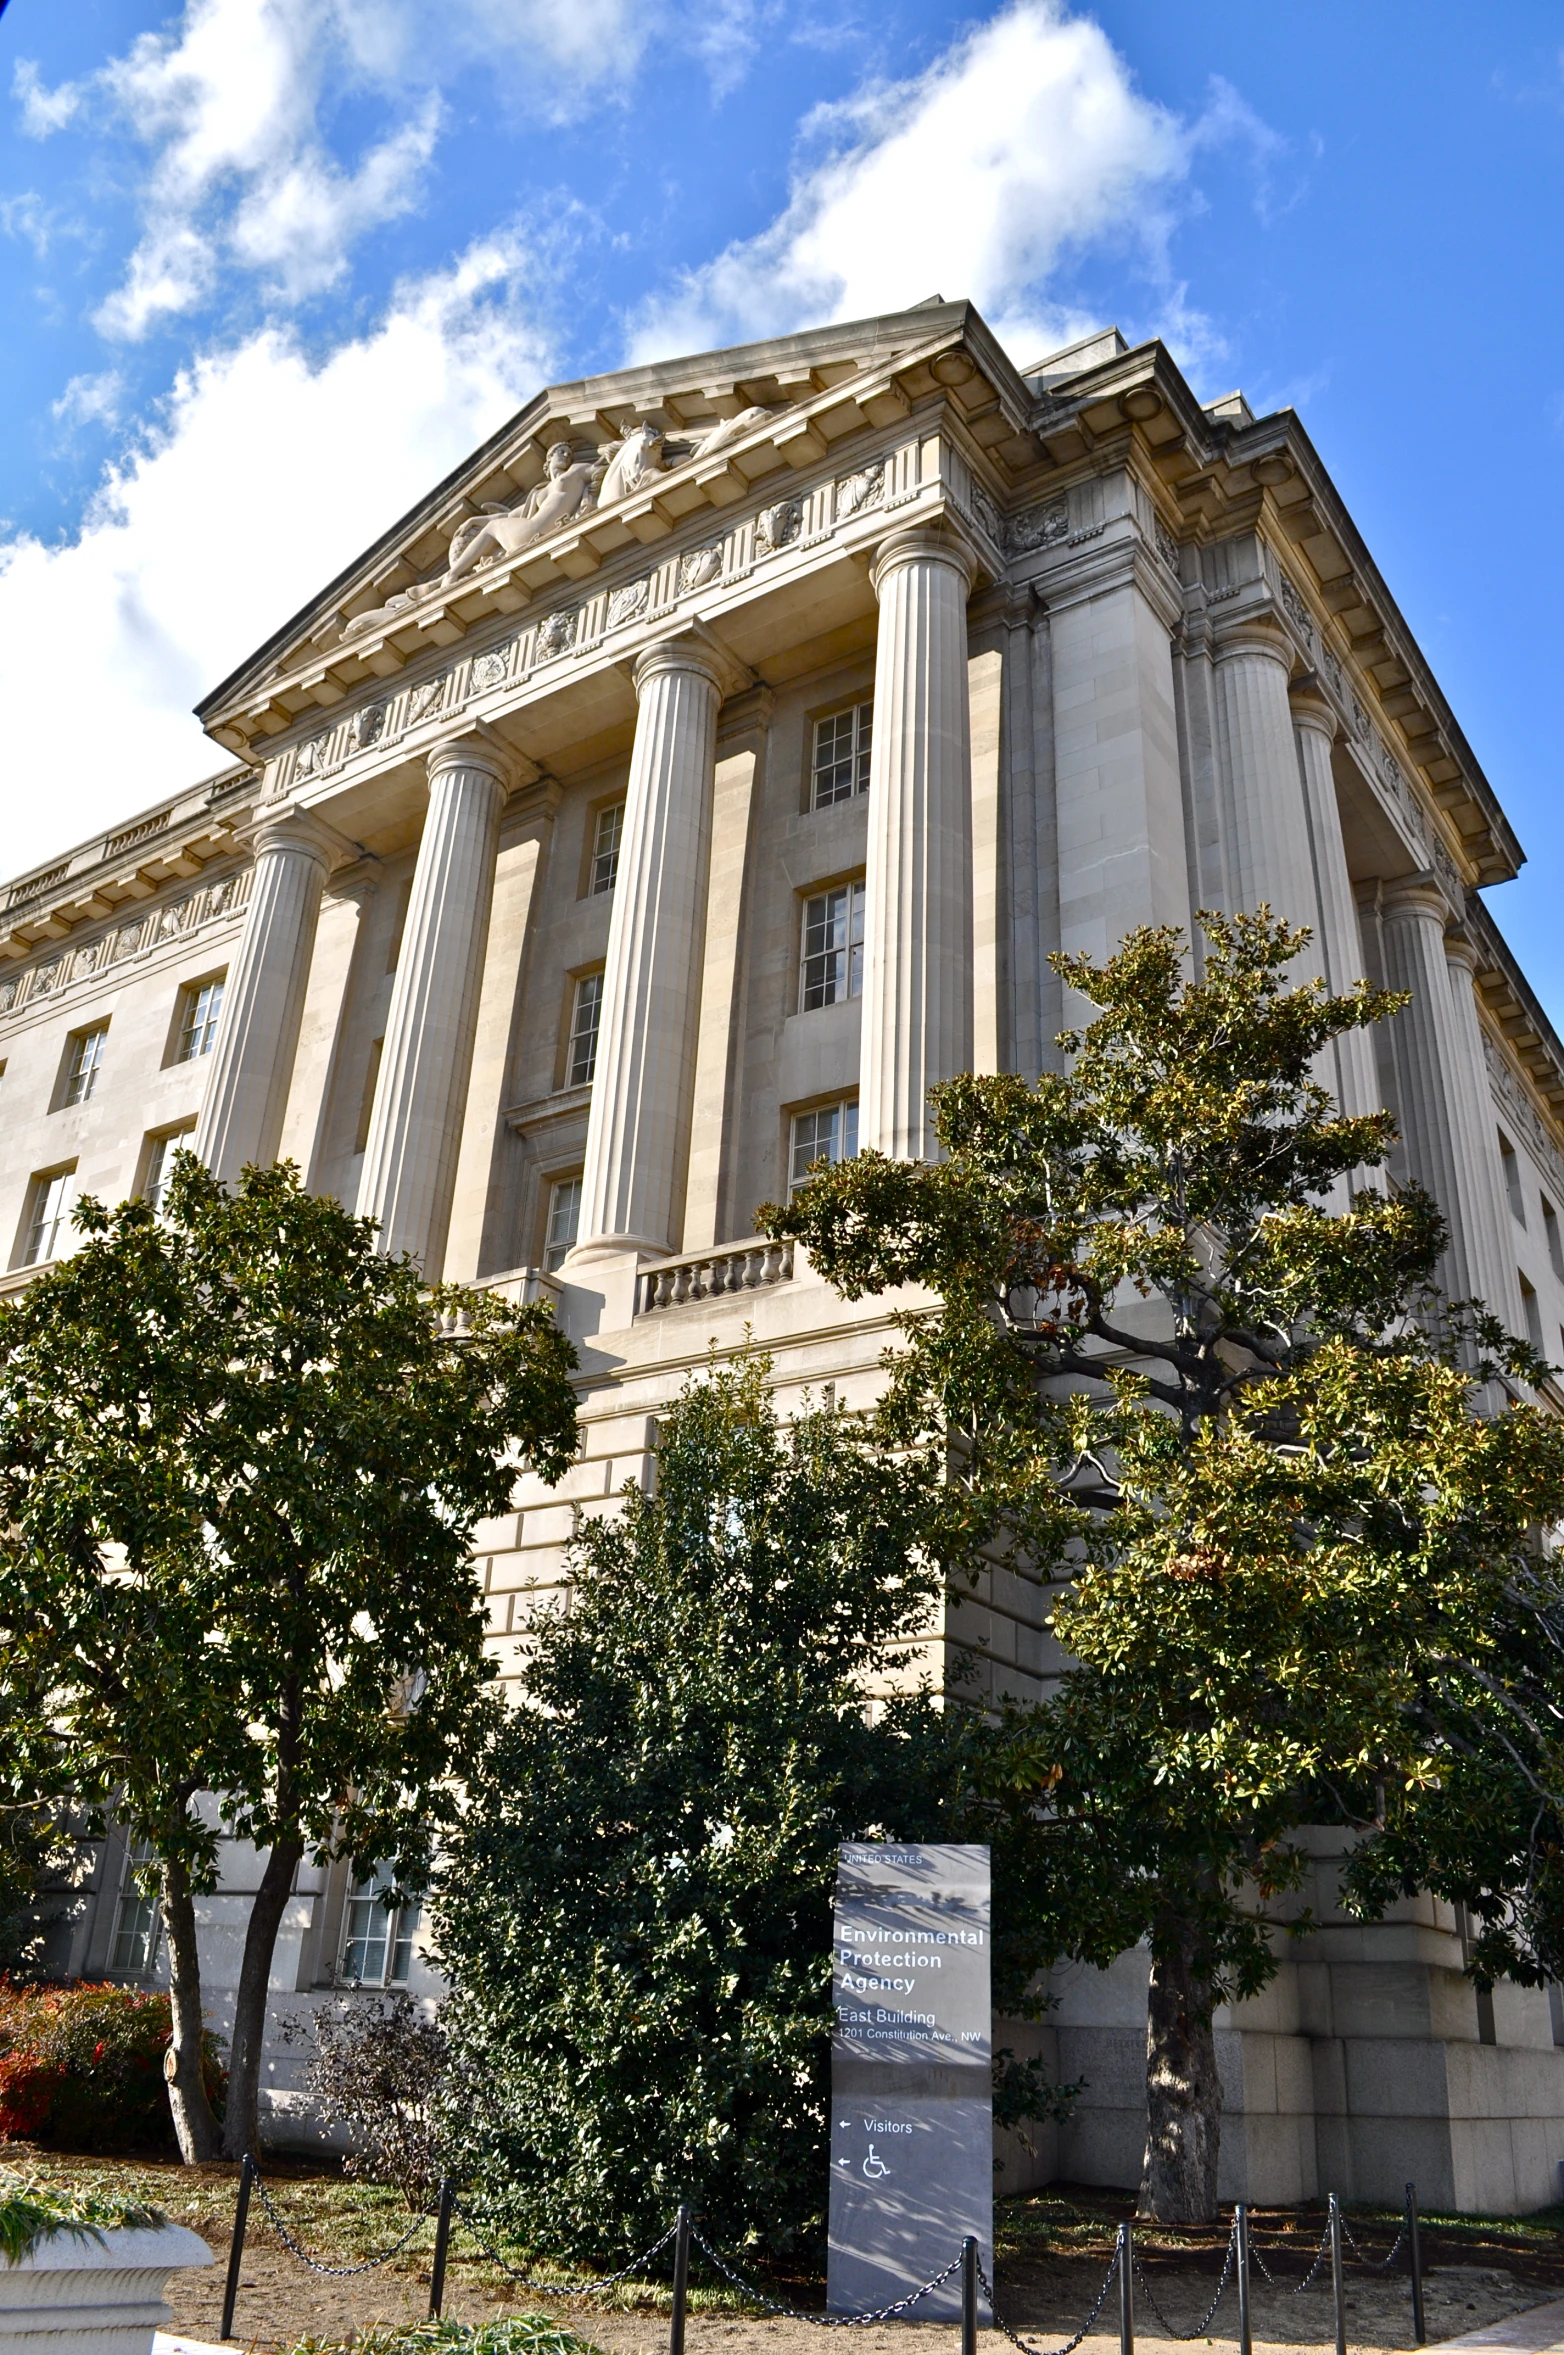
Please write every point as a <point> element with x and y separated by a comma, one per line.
<point>136,1922</point>
<point>605,846</point>
<point>828,1133</point>
<point>1512,1179</point>
<point>564,1219</point>
<point>841,765</point>
<point>84,1062</point>
<point>160,1161</point>
<point>1550,1228</point>
<point>585,1015</point>
<point>49,1214</point>
<point>833,946</point>
<point>377,1940</point>
<point>198,1026</point>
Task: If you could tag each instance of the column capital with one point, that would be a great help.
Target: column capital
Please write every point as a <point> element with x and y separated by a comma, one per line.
<point>1312,708</point>
<point>1421,897</point>
<point>478,746</point>
<point>1462,950</point>
<point>1257,633</point>
<point>692,648</point>
<point>304,833</point>
<point>938,540</point>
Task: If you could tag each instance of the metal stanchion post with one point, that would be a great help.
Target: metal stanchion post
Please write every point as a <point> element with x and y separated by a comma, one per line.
<point>1126,2290</point>
<point>236,2245</point>
<point>1245,2339</point>
<point>1415,2253</point>
<point>969,2265</point>
<point>1337,2280</point>
<point>442,2243</point>
<point>681,2280</point>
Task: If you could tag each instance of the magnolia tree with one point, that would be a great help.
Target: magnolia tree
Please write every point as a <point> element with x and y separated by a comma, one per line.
<point>1296,1549</point>
<point>240,1464</point>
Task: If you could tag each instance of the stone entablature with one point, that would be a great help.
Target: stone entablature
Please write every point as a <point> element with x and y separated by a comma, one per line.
<point>162,847</point>
<point>150,928</point>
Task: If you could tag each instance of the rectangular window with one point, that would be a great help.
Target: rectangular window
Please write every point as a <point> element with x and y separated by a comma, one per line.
<point>377,1942</point>
<point>564,1218</point>
<point>605,847</point>
<point>1532,1312</point>
<point>84,1062</point>
<point>49,1215</point>
<point>198,1030</point>
<point>584,1018</point>
<point>1550,1228</point>
<point>1512,1177</point>
<point>841,764</point>
<point>833,946</point>
<point>828,1133</point>
<point>366,1102</point>
<point>136,1923</point>
<point>160,1156</point>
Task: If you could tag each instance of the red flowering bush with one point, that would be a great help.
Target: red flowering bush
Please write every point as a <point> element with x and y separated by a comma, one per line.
<point>81,2067</point>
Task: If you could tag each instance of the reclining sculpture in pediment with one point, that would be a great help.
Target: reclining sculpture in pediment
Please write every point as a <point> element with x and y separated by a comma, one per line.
<point>574,484</point>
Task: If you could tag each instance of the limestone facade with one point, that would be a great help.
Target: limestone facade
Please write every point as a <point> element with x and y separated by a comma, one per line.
<point>693,779</point>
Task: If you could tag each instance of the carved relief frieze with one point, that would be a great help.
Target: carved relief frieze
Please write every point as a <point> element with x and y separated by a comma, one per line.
<point>1167,545</point>
<point>1297,611</point>
<point>168,920</point>
<point>791,524</point>
<point>1511,1093</point>
<point>1038,527</point>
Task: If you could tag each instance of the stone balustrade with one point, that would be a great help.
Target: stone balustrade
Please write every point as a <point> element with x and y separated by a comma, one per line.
<point>708,1275</point>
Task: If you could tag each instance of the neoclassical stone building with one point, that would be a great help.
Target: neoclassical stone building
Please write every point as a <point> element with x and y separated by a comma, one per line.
<point>695,776</point>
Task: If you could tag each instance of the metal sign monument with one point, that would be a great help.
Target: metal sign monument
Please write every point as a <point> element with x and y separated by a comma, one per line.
<point>912,2123</point>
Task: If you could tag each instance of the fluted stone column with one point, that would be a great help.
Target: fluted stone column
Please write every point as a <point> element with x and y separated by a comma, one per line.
<point>1493,1219</point>
<point>414,1137</point>
<point>638,1132</point>
<point>1352,1079</point>
<point>263,998</point>
<point>1436,1092</point>
<point>1270,859</point>
<point>917,990</point>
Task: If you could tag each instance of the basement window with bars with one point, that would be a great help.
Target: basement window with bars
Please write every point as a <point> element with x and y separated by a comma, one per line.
<point>832,962</point>
<point>827,1132</point>
<point>841,763</point>
<point>585,1016</point>
<point>377,1940</point>
<point>564,1220</point>
<point>605,847</point>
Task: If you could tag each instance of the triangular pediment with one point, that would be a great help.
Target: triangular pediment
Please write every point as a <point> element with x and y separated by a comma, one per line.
<point>633,453</point>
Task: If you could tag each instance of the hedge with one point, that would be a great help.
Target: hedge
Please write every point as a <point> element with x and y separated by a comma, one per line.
<point>81,2067</point>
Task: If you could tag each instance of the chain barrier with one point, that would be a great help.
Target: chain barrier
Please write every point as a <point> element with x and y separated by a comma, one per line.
<point>1070,2345</point>
<point>821,2321</point>
<point>1199,2330</point>
<point>1373,2264</point>
<point>1298,2287</point>
<point>337,2272</point>
<point>564,2289</point>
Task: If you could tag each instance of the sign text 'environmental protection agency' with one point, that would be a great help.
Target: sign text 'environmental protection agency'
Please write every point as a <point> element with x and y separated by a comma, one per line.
<point>912,2117</point>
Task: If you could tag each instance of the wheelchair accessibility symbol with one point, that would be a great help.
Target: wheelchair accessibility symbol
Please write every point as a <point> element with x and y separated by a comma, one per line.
<point>874,2165</point>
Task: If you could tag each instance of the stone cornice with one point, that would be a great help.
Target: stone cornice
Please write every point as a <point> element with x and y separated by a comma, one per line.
<point>1515,1016</point>
<point>161,848</point>
<point>830,385</point>
<point>1228,474</point>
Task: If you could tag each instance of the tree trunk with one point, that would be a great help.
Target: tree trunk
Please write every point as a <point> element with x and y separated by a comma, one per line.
<point>195,2127</point>
<point>241,2119</point>
<point>1183,2094</point>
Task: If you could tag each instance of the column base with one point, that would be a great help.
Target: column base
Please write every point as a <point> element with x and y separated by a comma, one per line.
<point>597,1280</point>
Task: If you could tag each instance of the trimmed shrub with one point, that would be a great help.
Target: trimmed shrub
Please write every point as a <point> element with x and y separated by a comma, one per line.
<point>81,2068</point>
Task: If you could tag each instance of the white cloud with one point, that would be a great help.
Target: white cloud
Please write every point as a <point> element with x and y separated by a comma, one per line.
<point>267,476</point>
<point>1022,143</point>
<point>89,400</point>
<point>43,110</point>
<point>236,101</point>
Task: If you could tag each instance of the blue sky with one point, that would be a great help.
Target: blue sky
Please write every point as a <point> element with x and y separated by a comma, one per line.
<point>269,267</point>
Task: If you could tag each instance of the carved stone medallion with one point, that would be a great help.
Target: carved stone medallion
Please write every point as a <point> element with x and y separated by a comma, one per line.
<point>369,725</point>
<point>628,603</point>
<point>1040,527</point>
<point>856,491</point>
<point>697,566</point>
<point>776,526</point>
<point>555,632</point>
<point>489,669</point>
